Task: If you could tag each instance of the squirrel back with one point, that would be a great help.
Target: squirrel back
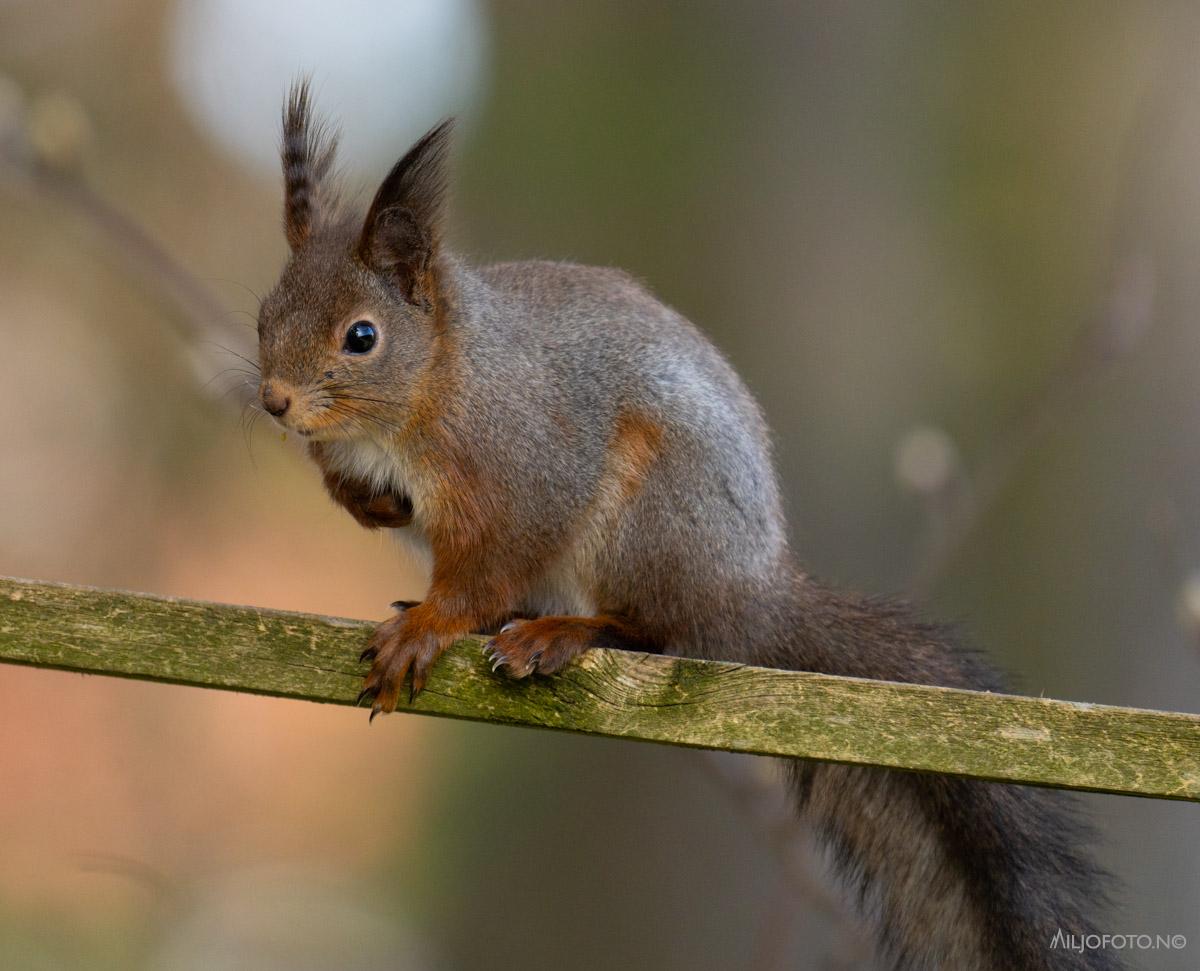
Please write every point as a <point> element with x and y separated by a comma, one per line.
<point>564,448</point>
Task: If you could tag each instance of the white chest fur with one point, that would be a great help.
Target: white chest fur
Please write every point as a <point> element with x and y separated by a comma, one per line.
<point>389,469</point>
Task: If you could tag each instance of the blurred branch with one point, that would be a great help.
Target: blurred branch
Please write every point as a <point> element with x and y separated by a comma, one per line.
<point>650,697</point>
<point>39,150</point>
<point>200,311</point>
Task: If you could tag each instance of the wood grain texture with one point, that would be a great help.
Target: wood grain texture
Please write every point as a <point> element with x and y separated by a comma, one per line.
<point>671,700</point>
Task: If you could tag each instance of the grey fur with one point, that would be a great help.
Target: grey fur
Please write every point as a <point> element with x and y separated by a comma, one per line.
<point>533,365</point>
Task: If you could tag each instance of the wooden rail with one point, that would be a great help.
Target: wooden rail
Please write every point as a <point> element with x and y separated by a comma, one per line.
<point>675,701</point>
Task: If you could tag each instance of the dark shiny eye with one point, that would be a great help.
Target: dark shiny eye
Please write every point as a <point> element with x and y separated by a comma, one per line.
<point>360,338</point>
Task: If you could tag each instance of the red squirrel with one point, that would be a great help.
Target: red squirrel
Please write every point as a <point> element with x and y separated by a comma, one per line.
<point>580,467</point>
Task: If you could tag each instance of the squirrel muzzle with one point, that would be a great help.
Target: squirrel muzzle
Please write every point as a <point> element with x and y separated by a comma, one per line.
<point>275,399</point>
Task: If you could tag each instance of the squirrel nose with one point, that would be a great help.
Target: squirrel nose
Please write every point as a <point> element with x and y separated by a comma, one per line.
<point>275,401</point>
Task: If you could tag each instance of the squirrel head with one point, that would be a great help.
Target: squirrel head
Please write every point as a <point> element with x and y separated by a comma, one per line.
<point>358,311</point>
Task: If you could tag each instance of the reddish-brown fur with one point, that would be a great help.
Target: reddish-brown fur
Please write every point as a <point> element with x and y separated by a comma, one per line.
<point>632,451</point>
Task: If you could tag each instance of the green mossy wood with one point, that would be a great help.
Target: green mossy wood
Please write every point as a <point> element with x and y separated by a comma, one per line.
<point>677,701</point>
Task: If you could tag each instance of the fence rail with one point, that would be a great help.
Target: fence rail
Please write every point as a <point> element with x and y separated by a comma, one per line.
<point>676,701</point>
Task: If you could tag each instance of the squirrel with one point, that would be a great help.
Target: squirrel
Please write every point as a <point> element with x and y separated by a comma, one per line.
<point>580,467</point>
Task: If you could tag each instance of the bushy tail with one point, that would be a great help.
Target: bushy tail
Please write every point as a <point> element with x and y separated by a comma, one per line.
<point>955,874</point>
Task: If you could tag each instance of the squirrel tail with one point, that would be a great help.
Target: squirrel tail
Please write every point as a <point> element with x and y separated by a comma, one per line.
<point>953,873</point>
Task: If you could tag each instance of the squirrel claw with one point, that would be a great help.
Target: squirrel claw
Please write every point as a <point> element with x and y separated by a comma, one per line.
<point>491,654</point>
<point>491,649</point>
<point>375,710</point>
<point>363,696</point>
<point>405,646</point>
<point>541,646</point>
<point>403,605</point>
<point>368,654</point>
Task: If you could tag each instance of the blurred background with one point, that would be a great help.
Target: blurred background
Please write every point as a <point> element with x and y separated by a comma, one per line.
<point>952,249</point>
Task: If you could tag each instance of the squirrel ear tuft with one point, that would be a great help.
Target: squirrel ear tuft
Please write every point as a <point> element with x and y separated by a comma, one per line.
<point>402,230</point>
<point>307,152</point>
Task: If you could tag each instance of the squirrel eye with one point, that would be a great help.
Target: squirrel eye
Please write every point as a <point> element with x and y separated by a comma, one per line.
<point>360,338</point>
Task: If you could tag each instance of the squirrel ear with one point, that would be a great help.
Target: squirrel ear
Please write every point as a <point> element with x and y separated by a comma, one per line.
<point>403,226</point>
<point>308,151</point>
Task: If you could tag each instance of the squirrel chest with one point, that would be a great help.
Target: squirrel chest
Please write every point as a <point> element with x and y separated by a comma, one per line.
<point>389,470</point>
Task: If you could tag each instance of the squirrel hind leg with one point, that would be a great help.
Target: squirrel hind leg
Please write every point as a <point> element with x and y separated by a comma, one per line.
<point>545,645</point>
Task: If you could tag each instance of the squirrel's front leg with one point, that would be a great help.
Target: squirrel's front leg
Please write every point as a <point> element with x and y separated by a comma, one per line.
<point>472,588</point>
<point>409,642</point>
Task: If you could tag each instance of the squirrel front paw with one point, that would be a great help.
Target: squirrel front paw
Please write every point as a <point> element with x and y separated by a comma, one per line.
<point>547,644</point>
<point>378,511</point>
<point>408,643</point>
<point>371,509</point>
<point>544,645</point>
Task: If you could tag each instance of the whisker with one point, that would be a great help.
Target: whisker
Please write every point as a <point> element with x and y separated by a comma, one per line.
<point>364,415</point>
<point>225,371</point>
<point>238,387</point>
<point>218,279</point>
<point>252,322</point>
<point>256,412</point>
<point>356,397</point>
<point>230,350</point>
